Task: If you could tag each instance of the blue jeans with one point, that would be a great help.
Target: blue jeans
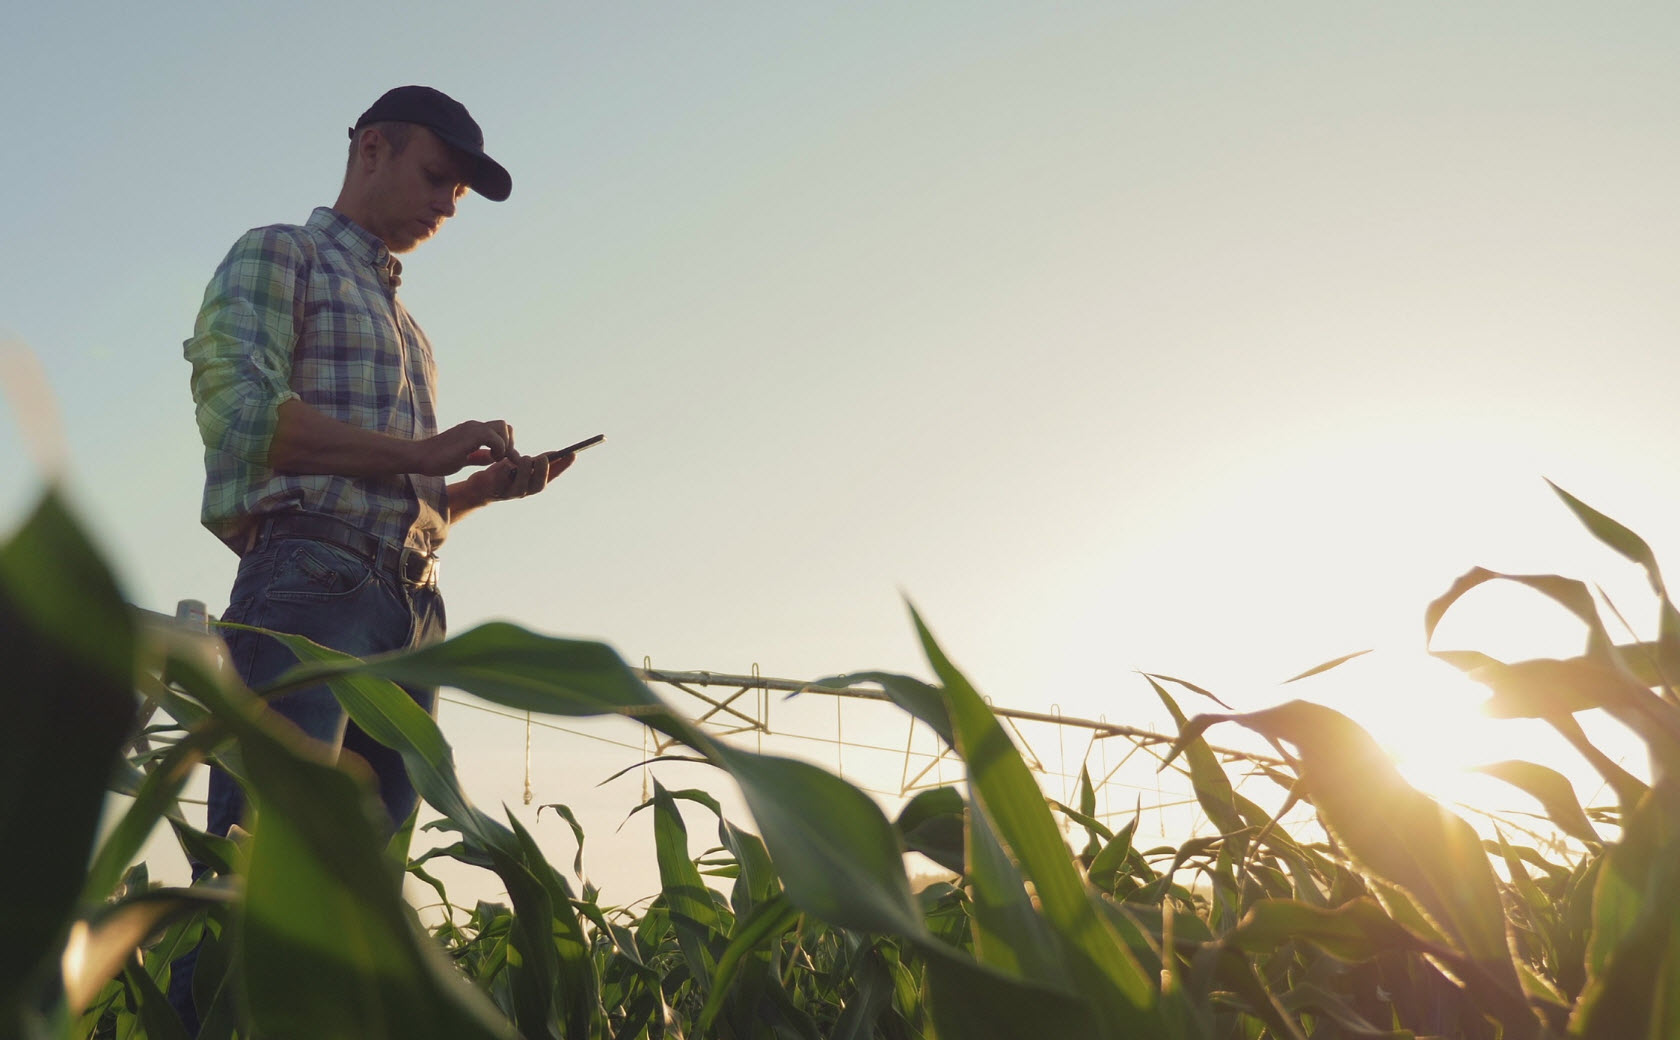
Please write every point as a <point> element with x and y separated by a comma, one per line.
<point>340,600</point>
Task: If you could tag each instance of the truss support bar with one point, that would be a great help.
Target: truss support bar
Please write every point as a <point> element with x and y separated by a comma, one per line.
<point>1099,728</point>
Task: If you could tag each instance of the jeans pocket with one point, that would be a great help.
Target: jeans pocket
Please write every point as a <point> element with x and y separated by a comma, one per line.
<point>317,570</point>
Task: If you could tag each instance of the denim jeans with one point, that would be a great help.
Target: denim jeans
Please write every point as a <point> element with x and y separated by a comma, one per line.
<point>335,597</point>
<point>338,599</point>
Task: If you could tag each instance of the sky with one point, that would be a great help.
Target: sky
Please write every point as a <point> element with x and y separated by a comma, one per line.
<point>1208,339</point>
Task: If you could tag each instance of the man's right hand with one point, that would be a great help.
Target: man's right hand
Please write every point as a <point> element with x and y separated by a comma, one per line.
<point>467,444</point>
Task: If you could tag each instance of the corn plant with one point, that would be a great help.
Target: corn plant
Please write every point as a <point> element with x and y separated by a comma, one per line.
<point>1402,922</point>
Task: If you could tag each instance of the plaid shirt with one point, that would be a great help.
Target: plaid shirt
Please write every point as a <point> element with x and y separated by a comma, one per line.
<point>311,312</point>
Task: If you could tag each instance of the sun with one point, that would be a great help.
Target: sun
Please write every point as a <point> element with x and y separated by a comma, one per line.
<point>1428,717</point>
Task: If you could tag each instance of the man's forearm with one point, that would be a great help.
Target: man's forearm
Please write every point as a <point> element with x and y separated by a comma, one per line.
<point>307,441</point>
<point>463,497</point>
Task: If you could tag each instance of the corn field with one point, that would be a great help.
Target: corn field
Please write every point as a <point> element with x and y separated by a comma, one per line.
<point>1396,919</point>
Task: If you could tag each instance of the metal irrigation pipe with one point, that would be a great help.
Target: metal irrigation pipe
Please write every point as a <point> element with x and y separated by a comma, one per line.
<point>1100,728</point>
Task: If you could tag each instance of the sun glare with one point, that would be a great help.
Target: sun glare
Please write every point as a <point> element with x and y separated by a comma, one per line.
<point>1429,718</point>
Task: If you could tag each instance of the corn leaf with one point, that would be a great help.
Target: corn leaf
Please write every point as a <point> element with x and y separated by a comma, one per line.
<point>1400,834</point>
<point>1355,931</point>
<point>328,947</point>
<point>1552,790</point>
<point>1103,970</point>
<point>67,657</point>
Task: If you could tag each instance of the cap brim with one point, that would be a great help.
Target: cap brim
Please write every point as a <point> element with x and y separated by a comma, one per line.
<point>490,179</point>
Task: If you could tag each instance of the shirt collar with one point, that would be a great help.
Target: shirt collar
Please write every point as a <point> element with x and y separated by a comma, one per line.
<point>358,241</point>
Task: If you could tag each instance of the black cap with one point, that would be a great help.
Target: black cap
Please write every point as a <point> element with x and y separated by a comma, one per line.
<point>448,118</point>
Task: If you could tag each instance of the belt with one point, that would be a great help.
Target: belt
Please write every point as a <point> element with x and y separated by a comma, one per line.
<point>409,566</point>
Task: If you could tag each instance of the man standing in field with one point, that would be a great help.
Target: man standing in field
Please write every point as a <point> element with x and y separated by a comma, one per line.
<point>324,465</point>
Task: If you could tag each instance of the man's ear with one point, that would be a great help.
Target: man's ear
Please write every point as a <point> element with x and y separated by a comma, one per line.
<point>371,149</point>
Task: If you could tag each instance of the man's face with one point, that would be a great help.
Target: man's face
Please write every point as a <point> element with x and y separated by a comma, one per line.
<point>415,191</point>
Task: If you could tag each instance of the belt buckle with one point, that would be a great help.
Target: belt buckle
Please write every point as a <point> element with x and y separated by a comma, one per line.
<point>411,560</point>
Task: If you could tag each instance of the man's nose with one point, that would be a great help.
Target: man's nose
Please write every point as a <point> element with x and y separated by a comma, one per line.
<point>445,205</point>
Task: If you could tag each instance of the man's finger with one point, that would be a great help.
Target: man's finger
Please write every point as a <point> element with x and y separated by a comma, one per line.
<point>533,471</point>
<point>507,472</point>
<point>557,463</point>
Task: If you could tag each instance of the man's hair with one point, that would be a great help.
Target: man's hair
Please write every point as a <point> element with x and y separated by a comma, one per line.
<point>397,135</point>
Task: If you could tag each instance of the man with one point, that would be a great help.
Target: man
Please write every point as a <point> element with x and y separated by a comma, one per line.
<point>315,392</point>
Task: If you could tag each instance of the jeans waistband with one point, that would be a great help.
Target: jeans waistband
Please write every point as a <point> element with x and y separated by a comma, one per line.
<point>408,566</point>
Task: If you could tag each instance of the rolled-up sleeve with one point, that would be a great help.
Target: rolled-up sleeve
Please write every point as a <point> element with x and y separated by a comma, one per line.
<point>241,347</point>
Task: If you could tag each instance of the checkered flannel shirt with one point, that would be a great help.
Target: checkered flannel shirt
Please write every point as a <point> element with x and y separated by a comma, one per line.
<point>311,312</point>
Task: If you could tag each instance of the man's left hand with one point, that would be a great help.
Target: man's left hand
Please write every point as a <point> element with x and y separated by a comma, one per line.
<point>522,475</point>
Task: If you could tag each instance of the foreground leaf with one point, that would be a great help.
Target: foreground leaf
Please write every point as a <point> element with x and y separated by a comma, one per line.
<point>66,654</point>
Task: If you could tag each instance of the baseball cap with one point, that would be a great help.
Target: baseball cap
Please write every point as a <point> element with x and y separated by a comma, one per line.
<point>448,118</point>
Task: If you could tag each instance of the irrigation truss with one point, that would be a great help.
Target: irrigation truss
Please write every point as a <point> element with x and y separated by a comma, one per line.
<point>1123,762</point>
<point>861,734</point>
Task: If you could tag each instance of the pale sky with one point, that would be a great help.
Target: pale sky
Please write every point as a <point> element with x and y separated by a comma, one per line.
<point>1210,339</point>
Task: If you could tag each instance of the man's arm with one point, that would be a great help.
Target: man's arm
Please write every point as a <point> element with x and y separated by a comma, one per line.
<point>308,441</point>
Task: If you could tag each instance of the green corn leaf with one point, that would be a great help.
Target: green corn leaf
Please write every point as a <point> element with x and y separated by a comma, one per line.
<point>1095,832</point>
<point>67,655</point>
<point>768,920</point>
<point>1402,835</point>
<point>1009,933</point>
<point>565,813</point>
<point>871,998</point>
<point>1223,968</point>
<point>1546,687</point>
<point>389,715</point>
<point>1533,900</point>
<point>838,857</point>
<point>328,948</point>
<point>508,665</point>
<point>969,1000</point>
<point>1102,969</point>
<point>1633,955</point>
<point>1553,689</point>
<point>576,993</point>
<point>100,946</point>
<point>759,883</point>
<point>154,800</point>
<point>1320,1001</point>
<point>547,984</point>
<point>1325,667</point>
<point>692,913</point>
<point>1552,790</point>
<point>932,823</point>
<point>1355,931</point>
<point>1113,858</point>
<point>1667,651</point>
<point>1572,595</point>
<point>1213,788</point>
<point>916,697</point>
<point>157,1018</point>
<point>1192,687</point>
<point>66,652</point>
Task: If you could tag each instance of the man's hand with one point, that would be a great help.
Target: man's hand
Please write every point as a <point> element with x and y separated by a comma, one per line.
<point>519,476</point>
<point>462,445</point>
<point>513,476</point>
